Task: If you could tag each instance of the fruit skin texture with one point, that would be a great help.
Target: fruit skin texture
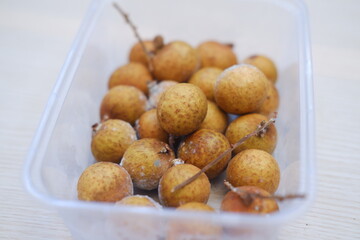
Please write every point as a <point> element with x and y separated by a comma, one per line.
<point>205,79</point>
<point>265,64</point>
<point>148,126</point>
<point>215,54</point>
<point>195,206</point>
<point>111,139</point>
<point>139,200</point>
<point>132,74</point>
<point>202,147</point>
<point>241,89</point>
<point>105,182</point>
<point>246,124</point>
<point>215,118</point>
<point>175,61</point>
<point>196,191</point>
<point>146,160</point>
<point>181,109</point>
<point>254,167</point>
<point>271,102</point>
<point>156,90</point>
<point>123,102</point>
<point>232,202</point>
<point>138,55</point>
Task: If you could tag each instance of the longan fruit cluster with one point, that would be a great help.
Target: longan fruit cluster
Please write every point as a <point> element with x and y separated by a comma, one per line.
<point>166,116</point>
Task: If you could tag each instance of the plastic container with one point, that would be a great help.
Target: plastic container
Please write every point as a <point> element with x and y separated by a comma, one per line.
<point>61,148</point>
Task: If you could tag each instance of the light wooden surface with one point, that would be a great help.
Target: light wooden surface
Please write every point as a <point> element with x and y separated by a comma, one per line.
<point>35,37</point>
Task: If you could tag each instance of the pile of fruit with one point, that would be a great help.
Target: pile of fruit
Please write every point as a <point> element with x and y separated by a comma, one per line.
<point>174,110</point>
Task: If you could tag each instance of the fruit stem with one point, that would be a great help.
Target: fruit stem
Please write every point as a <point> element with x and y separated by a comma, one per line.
<point>258,132</point>
<point>137,35</point>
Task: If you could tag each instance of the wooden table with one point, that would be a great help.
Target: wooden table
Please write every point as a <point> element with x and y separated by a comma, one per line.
<point>35,37</point>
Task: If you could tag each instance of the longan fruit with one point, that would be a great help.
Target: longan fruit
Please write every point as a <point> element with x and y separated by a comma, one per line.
<point>157,89</point>
<point>202,147</point>
<point>196,191</point>
<point>181,109</point>
<point>241,89</point>
<point>110,140</point>
<point>215,54</point>
<point>271,102</point>
<point>232,202</point>
<point>146,160</point>
<point>246,124</point>
<point>195,206</point>
<point>132,74</point>
<point>265,64</point>
<point>175,61</point>
<point>205,79</point>
<point>253,167</point>
<point>123,102</point>
<point>148,126</point>
<point>139,200</point>
<point>104,182</point>
<point>215,119</point>
<point>137,53</point>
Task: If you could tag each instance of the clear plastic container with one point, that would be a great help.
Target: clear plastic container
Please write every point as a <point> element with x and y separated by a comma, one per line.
<point>61,148</point>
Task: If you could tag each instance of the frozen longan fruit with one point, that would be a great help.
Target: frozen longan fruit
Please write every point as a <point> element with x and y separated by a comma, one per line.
<point>204,146</point>
<point>132,74</point>
<point>110,140</point>
<point>215,54</point>
<point>196,191</point>
<point>241,89</point>
<point>148,126</point>
<point>175,61</point>
<point>205,79</point>
<point>139,201</point>
<point>215,118</point>
<point>253,167</point>
<point>123,102</point>
<point>138,55</point>
<point>146,160</point>
<point>232,202</point>
<point>271,102</point>
<point>246,124</point>
<point>265,64</point>
<point>104,182</point>
<point>181,109</point>
<point>157,89</point>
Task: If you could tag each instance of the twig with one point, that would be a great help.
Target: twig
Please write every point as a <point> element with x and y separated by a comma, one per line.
<point>260,131</point>
<point>248,198</point>
<point>134,28</point>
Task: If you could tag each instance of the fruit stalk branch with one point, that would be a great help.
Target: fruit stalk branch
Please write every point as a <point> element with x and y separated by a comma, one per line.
<point>248,198</point>
<point>137,35</point>
<point>259,131</point>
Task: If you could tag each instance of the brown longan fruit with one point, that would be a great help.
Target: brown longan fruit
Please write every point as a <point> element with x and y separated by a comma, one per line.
<point>196,191</point>
<point>181,109</point>
<point>132,74</point>
<point>246,124</point>
<point>253,167</point>
<point>215,118</point>
<point>215,54</point>
<point>271,102</point>
<point>175,61</point>
<point>204,146</point>
<point>110,140</point>
<point>146,160</point>
<point>104,182</point>
<point>232,202</point>
<point>205,79</point>
<point>139,200</point>
<point>137,53</point>
<point>195,206</point>
<point>241,89</point>
<point>148,126</point>
<point>265,64</point>
<point>123,102</point>
<point>157,89</point>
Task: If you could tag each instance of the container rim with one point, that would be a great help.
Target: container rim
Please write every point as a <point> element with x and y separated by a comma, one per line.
<point>308,157</point>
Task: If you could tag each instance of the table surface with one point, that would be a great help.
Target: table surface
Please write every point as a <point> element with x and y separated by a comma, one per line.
<point>35,37</point>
